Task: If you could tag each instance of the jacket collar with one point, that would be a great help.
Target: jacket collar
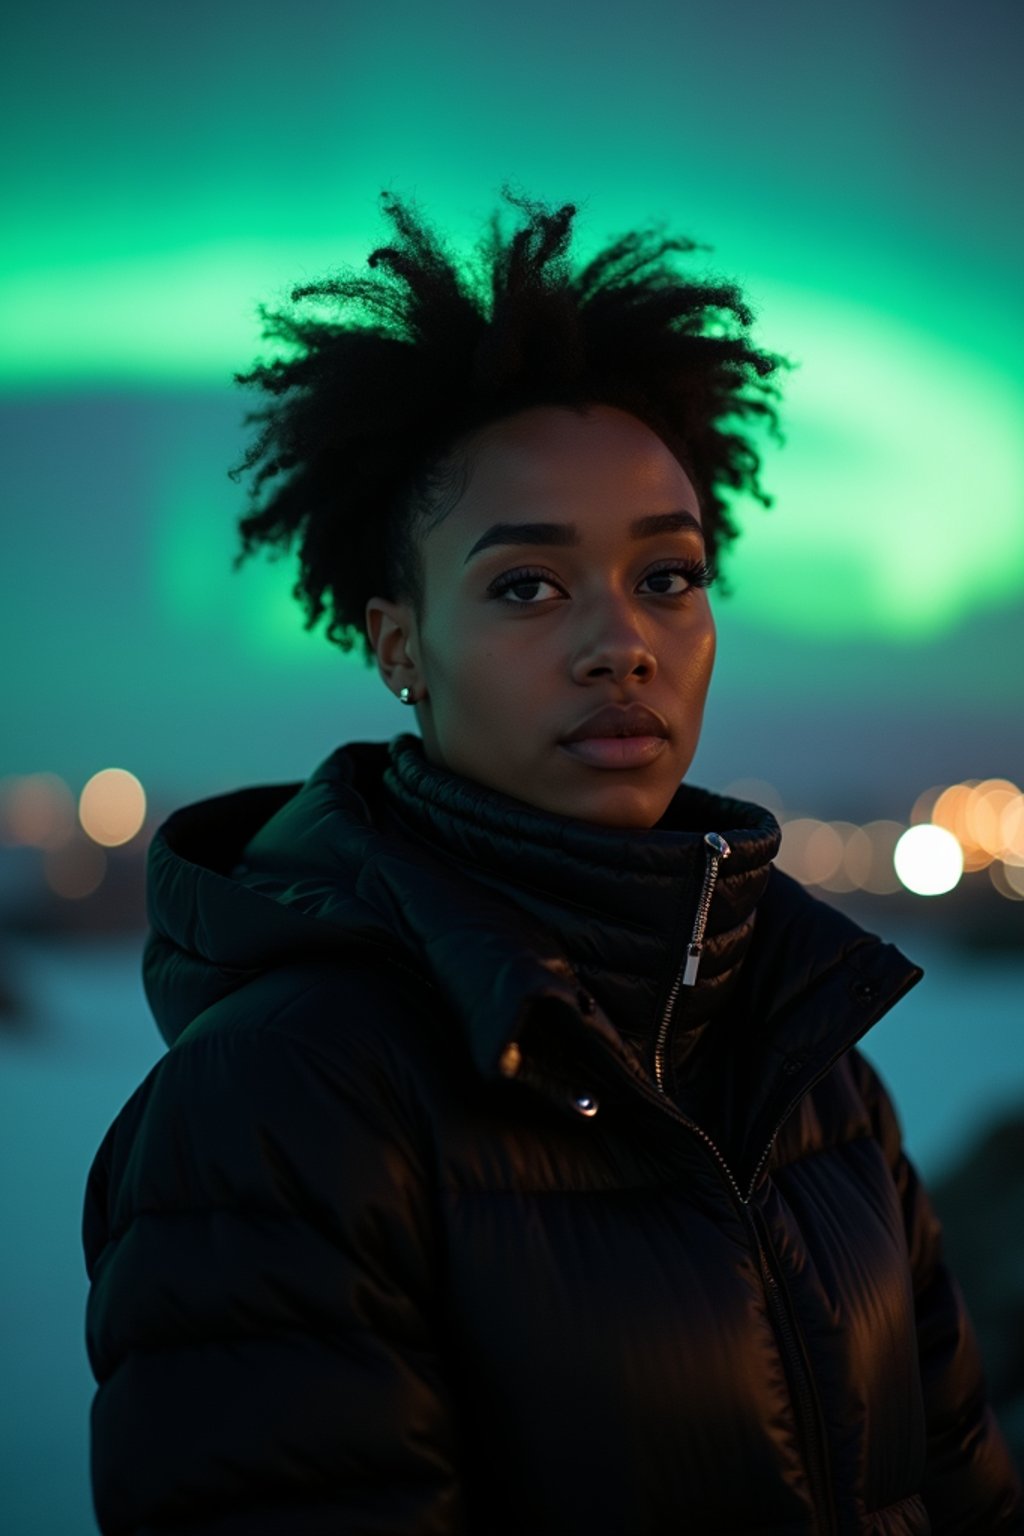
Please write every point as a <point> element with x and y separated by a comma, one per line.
<point>274,875</point>
<point>622,905</point>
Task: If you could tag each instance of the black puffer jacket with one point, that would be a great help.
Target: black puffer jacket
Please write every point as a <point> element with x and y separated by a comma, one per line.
<point>451,1210</point>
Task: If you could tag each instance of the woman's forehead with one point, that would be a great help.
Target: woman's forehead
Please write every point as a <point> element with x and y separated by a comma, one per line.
<point>550,464</point>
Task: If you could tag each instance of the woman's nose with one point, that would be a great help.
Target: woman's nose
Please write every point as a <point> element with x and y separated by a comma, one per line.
<point>614,646</point>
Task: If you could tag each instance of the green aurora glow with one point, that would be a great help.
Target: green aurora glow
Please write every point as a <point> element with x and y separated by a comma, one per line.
<point>150,208</point>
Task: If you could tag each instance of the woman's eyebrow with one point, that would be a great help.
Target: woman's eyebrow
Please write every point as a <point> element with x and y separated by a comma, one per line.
<point>567,533</point>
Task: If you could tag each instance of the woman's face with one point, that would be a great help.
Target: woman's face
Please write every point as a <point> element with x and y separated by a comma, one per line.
<point>528,632</point>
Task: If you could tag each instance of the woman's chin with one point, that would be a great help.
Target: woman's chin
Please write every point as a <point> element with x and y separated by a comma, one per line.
<point>612,801</point>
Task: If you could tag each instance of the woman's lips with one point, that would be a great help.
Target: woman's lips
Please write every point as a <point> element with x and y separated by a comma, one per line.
<point>615,751</point>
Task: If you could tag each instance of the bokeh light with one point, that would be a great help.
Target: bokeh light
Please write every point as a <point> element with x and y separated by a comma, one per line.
<point>925,804</point>
<point>950,812</point>
<point>986,816</point>
<point>1008,880</point>
<point>840,856</point>
<point>75,871</point>
<point>112,807</point>
<point>883,835</point>
<point>1011,831</point>
<point>811,851</point>
<point>37,810</point>
<point>985,807</point>
<point>854,857</point>
<point>928,860</point>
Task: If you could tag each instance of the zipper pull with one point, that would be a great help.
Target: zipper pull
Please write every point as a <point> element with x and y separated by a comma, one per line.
<point>717,849</point>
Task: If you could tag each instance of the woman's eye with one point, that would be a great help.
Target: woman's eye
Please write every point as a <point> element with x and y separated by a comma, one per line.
<point>685,576</point>
<point>516,581</point>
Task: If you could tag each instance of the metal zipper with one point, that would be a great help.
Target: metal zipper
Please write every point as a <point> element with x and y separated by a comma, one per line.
<point>717,849</point>
<point>802,1388</point>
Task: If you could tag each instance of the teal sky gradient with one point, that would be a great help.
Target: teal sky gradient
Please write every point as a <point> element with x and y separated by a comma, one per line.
<point>856,169</point>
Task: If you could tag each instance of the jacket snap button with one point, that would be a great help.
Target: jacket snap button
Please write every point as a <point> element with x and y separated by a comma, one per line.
<point>585,1001</point>
<point>865,991</point>
<point>586,1104</point>
<point>510,1060</point>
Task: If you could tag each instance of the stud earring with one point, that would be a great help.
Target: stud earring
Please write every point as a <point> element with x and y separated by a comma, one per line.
<point>406,696</point>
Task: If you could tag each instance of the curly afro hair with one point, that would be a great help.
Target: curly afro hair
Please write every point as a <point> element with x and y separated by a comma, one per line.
<point>359,455</point>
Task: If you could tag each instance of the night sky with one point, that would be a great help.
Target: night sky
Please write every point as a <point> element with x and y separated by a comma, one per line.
<point>857,169</point>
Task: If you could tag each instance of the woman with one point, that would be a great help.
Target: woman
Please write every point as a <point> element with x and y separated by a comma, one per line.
<point>514,1167</point>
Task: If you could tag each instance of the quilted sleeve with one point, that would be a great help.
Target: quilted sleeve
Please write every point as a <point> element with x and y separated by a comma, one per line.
<point>970,1481</point>
<point>261,1315</point>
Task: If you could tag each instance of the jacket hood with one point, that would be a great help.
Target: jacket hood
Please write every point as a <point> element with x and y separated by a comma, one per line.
<point>216,923</point>
<point>515,915</point>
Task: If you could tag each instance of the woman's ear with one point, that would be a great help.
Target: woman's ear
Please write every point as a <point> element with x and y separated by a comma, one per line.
<point>391,628</point>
